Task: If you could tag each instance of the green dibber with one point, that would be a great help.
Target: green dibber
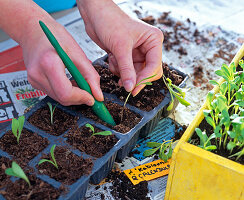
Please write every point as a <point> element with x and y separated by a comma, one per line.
<point>98,107</point>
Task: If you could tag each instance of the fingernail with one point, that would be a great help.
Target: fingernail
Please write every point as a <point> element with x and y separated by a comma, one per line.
<point>101,94</point>
<point>128,85</point>
<point>90,102</point>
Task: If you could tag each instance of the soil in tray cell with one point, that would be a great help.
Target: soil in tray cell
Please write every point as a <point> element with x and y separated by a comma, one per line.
<point>30,145</point>
<point>4,164</point>
<point>123,188</point>
<point>97,145</point>
<point>124,118</point>
<point>61,121</point>
<point>39,190</point>
<point>149,98</point>
<point>20,190</point>
<point>70,166</point>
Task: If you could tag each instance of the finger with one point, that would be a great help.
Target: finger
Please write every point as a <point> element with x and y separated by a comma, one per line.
<point>88,72</point>
<point>123,55</point>
<point>63,90</point>
<point>156,75</point>
<point>113,65</point>
<point>153,64</point>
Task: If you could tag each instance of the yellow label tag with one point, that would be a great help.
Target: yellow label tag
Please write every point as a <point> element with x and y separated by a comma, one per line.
<point>148,171</point>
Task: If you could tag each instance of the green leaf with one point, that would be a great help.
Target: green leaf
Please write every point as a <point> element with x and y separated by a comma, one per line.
<point>224,88</point>
<point>45,160</point>
<point>15,126</point>
<point>10,172</point>
<point>217,131</point>
<point>53,156</point>
<point>153,144</point>
<point>213,82</point>
<point>210,121</point>
<point>21,123</point>
<point>233,86</point>
<point>225,70</point>
<point>163,156</point>
<point>171,105</point>
<point>182,93</point>
<point>140,82</point>
<point>207,143</point>
<point>17,172</point>
<point>105,133</point>
<point>210,97</point>
<point>210,147</point>
<point>170,152</point>
<point>201,135</point>
<point>239,103</point>
<point>222,74</point>
<point>91,127</point>
<point>232,134</point>
<point>231,145</point>
<point>147,83</point>
<point>182,101</point>
<point>206,112</point>
<point>150,152</point>
<point>225,118</point>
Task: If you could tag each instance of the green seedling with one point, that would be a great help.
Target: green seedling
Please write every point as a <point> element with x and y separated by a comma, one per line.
<point>225,113</point>
<point>205,141</point>
<point>165,149</point>
<point>52,109</point>
<point>53,161</point>
<point>179,93</point>
<point>105,133</point>
<point>140,83</point>
<point>17,171</point>
<point>17,126</point>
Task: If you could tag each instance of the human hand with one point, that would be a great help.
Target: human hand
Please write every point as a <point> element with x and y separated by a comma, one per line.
<point>134,47</point>
<point>46,70</point>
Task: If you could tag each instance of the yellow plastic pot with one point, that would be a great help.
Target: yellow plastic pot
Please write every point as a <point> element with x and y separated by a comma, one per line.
<point>197,174</point>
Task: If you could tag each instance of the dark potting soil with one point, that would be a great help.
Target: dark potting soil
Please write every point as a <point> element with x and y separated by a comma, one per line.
<point>149,98</point>
<point>204,126</point>
<point>4,164</point>
<point>70,166</point>
<point>179,131</point>
<point>30,145</point>
<point>149,19</point>
<point>39,190</point>
<point>124,189</point>
<point>20,190</point>
<point>129,118</point>
<point>182,32</point>
<point>41,119</point>
<point>97,145</point>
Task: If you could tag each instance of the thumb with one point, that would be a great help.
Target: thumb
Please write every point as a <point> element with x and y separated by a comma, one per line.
<point>127,72</point>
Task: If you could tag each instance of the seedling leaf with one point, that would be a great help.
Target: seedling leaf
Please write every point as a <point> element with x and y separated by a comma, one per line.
<point>153,144</point>
<point>150,152</point>
<point>17,171</point>
<point>53,161</point>
<point>15,125</point>
<point>21,123</point>
<point>90,126</point>
<point>105,133</point>
<point>171,105</point>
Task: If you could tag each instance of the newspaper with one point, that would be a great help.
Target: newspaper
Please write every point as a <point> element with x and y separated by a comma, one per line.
<point>16,94</point>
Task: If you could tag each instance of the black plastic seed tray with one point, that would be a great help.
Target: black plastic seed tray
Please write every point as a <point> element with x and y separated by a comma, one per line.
<point>102,166</point>
<point>155,114</point>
